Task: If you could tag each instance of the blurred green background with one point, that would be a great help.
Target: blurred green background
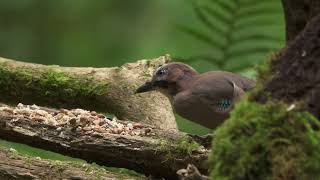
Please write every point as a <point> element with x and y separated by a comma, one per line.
<point>232,35</point>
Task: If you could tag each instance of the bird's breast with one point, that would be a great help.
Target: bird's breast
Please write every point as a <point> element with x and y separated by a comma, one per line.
<point>190,107</point>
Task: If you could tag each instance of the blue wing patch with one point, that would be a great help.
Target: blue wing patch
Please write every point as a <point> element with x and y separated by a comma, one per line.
<point>224,104</point>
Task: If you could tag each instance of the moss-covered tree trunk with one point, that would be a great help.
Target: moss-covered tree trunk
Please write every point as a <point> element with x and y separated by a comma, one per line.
<point>295,71</point>
<point>275,134</point>
<point>101,89</point>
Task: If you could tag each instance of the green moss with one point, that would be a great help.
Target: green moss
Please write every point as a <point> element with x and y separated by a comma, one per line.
<point>49,84</point>
<point>266,142</point>
<point>180,148</point>
<point>263,70</point>
<point>57,165</point>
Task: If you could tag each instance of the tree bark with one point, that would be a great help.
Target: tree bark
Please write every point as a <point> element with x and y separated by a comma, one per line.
<point>158,153</point>
<point>295,71</point>
<point>297,14</point>
<point>16,166</point>
<point>102,89</point>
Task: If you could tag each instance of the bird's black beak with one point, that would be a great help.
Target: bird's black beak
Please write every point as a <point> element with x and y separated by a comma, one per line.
<point>148,86</point>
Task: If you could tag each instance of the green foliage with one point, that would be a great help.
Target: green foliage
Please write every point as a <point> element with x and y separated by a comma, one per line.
<point>183,147</point>
<point>241,33</point>
<point>266,142</point>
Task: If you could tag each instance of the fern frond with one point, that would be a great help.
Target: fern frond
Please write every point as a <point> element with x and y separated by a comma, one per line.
<point>216,43</point>
<point>226,5</point>
<point>206,21</point>
<point>239,29</point>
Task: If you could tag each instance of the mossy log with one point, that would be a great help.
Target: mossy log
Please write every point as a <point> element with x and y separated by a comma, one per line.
<point>102,89</point>
<point>160,154</point>
<point>21,167</point>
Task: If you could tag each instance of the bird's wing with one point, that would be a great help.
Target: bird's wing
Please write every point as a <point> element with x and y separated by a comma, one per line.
<point>218,93</point>
<point>242,82</point>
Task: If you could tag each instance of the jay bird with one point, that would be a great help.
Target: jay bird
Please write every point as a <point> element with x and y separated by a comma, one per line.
<point>204,98</point>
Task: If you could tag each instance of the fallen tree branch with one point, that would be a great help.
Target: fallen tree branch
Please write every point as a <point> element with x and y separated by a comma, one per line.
<point>101,89</point>
<point>15,166</point>
<point>94,138</point>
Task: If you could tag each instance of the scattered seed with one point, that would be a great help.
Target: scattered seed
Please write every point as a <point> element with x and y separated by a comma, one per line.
<point>78,119</point>
<point>137,126</point>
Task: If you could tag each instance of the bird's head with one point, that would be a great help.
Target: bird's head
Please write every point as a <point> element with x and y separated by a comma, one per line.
<point>169,79</point>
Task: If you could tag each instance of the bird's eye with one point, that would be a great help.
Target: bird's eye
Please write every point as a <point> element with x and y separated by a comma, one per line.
<point>161,72</point>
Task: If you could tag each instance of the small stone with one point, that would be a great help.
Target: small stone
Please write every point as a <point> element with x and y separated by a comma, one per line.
<point>59,129</point>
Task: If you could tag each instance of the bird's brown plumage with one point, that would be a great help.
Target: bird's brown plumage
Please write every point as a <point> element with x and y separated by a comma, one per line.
<point>203,98</point>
